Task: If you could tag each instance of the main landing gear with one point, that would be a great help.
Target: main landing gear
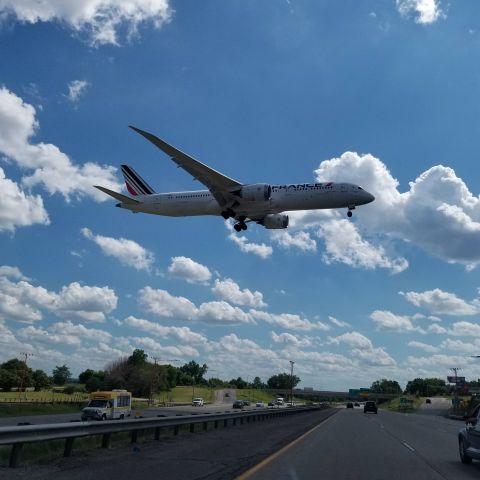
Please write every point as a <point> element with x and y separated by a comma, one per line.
<point>240,225</point>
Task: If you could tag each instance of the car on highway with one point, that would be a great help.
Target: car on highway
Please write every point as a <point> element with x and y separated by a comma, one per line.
<point>427,400</point>
<point>469,437</point>
<point>370,406</point>
<point>260,405</point>
<point>280,401</point>
<point>356,404</point>
<point>349,405</point>
<point>198,402</point>
<point>271,404</point>
<point>246,403</point>
<point>238,404</point>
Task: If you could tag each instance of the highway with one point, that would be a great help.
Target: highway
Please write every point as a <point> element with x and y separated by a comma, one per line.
<point>348,445</point>
<point>144,412</point>
<point>355,446</point>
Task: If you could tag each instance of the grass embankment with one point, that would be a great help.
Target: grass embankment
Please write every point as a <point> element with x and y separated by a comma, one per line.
<point>185,394</point>
<point>396,405</point>
<point>254,395</point>
<point>43,396</point>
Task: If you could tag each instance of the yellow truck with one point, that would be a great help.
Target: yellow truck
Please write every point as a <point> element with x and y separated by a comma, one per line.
<point>108,406</point>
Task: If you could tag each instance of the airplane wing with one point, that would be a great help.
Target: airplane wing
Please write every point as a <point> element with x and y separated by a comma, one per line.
<point>118,196</point>
<point>219,185</point>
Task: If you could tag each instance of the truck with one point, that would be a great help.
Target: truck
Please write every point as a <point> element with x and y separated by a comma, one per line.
<point>115,404</point>
<point>280,402</point>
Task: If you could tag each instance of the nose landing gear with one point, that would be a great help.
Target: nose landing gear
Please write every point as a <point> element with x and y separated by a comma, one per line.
<point>350,208</point>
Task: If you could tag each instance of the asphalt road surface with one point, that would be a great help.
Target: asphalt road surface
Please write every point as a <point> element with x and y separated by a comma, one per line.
<point>355,446</point>
<point>215,454</point>
<point>143,412</point>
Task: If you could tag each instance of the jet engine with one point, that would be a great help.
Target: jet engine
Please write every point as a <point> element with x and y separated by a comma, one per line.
<point>257,192</point>
<point>275,221</point>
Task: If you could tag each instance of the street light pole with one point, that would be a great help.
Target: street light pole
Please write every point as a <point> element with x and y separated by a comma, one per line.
<point>455,370</point>
<point>291,381</point>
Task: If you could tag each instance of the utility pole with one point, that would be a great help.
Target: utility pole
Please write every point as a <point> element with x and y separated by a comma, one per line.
<point>455,370</point>
<point>152,380</point>
<point>23,380</point>
<point>291,381</point>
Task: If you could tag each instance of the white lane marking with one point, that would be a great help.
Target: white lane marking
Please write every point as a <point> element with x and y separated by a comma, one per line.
<point>408,446</point>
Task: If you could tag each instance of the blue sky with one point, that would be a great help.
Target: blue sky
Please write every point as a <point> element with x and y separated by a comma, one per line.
<point>381,93</point>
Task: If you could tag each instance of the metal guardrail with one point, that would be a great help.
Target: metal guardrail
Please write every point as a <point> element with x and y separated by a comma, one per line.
<point>19,435</point>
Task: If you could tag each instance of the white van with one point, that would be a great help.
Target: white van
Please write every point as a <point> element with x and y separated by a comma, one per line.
<point>108,406</point>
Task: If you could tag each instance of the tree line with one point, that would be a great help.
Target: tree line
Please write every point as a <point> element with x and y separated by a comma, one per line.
<point>134,373</point>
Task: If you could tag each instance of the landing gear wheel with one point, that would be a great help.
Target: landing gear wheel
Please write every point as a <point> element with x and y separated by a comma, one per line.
<point>237,227</point>
<point>349,213</point>
<point>243,226</point>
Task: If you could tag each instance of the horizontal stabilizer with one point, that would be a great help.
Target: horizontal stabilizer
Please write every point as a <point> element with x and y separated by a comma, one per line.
<point>118,196</point>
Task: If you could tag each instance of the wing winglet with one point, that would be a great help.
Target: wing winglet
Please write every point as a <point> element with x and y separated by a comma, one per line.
<point>118,196</point>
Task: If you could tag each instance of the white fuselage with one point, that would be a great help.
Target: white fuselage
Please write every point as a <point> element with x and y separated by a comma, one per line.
<point>303,196</point>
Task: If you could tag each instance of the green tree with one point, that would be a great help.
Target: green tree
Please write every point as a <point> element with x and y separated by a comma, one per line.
<point>426,387</point>
<point>239,383</point>
<point>283,381</point>
<point>138,358</point>
<point>40,380</point>
<point>85,375</point>
<point>20,369</point>
<point>61,375</point>
<point>386,386</point>
<point>8,380</point>
<point>193,370</point>
<point>93,384</point>
<point>257,383</point>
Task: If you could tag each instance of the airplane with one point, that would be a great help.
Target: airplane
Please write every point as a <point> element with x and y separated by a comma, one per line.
<point>259,202</point>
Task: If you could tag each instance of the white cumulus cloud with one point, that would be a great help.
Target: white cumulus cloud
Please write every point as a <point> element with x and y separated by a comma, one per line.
<point>163,304</point>
<point>261,249</point>
<point>24,302</point>
<point>424,11</point>
<point>440,302</point>
<point>99,20</point>
<point>17,208</point>
<point>437,207</point>
<point>128,252</point>
<point>229,290</point>
<point>48,165</point>
<point>76,89</point>
<point>189,270</point>
<point>387,320</point>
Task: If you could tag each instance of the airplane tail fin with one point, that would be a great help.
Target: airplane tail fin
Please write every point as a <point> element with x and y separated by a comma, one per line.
<point>136,185</point>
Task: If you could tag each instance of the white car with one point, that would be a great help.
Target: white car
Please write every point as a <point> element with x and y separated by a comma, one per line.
<point>260,405</point>
<point>197,402</point>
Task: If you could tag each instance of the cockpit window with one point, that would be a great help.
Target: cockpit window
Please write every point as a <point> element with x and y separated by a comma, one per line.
<point>360,188</point>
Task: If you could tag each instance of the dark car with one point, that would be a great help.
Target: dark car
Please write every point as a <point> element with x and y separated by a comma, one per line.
<point>469,438</point>
<point>427,400</point>
<point>370,407</point>
<point>246,403</point>
<point>238,404</point>
<point>271,404</point>
<point>356,404</point>
<point>349,405</point>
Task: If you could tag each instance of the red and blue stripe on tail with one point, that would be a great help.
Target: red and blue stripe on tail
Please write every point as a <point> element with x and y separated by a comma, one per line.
<point>136,185</point>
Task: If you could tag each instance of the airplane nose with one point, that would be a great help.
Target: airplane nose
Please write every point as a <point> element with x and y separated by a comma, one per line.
<point>371,197</point>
